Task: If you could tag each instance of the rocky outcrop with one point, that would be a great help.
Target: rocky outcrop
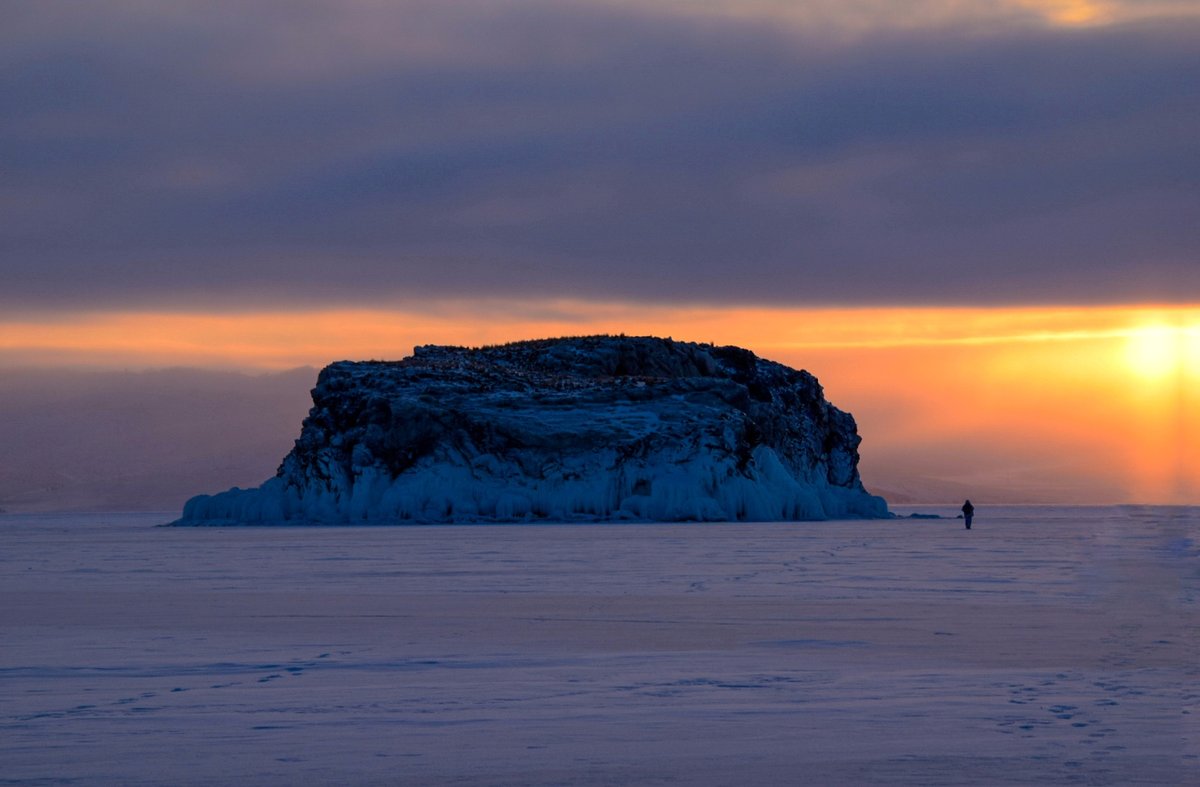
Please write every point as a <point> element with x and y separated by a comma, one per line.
<point>581,429</point>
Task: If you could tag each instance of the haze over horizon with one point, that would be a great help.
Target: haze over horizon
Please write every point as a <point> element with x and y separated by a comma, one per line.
<point>976,222</point>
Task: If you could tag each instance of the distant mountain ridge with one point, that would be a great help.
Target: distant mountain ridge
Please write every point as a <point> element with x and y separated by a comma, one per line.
<point>597,428</point>
<point>107,440</point>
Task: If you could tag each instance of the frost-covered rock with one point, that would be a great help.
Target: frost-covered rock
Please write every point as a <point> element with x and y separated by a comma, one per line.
<point>581,429</point>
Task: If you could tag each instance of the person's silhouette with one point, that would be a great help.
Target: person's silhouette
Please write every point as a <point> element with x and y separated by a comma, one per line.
<point>968,512</point>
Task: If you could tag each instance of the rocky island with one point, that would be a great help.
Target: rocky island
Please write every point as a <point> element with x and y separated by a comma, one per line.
<point>591,429</point>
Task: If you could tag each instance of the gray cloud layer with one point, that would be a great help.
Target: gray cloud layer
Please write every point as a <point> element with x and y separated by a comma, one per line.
<point>272,153</point>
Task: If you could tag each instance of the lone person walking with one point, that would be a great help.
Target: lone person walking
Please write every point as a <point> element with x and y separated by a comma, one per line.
<point>968,512</point>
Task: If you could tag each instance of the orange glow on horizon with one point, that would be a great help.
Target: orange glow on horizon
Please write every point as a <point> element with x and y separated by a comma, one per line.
<point>285,339</point>
<point>1080,403</point>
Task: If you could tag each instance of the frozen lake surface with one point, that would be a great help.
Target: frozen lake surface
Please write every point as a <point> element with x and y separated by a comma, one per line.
<point>1047,645</point>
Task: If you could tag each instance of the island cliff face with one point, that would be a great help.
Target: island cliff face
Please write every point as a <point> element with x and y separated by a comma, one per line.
<point>598,428</point>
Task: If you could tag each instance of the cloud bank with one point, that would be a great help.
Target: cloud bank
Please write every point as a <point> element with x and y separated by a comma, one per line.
<point>258,154</point>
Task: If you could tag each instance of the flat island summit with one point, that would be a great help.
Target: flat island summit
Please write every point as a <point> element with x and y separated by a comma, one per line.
<point>586,429</point>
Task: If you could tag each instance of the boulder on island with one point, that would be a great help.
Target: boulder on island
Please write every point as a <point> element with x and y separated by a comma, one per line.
<point>590,429</point>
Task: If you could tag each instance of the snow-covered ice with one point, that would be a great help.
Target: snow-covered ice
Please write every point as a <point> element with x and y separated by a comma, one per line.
<point>1046,645</point>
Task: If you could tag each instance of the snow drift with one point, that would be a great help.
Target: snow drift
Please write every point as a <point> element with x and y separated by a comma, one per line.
<point>581,429</point>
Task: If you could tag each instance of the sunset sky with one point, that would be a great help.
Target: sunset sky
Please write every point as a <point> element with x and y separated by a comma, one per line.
<point>977,222</point>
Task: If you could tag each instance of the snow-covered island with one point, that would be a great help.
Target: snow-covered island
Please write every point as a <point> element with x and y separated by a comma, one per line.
<point>599,428</point>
